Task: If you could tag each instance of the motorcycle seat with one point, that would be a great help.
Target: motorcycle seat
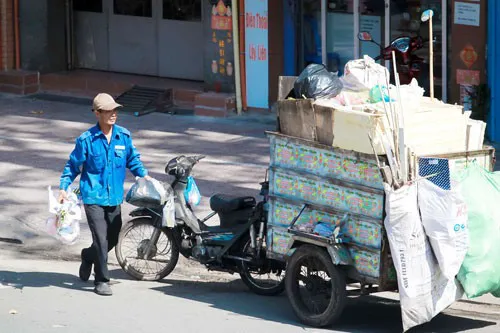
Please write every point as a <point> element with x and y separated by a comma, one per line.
<point>222,203</point>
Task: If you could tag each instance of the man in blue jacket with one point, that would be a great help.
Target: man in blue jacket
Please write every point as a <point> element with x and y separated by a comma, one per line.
<point>101,156</point>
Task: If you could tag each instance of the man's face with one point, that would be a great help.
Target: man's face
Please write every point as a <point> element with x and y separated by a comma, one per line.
<point>107,117</point>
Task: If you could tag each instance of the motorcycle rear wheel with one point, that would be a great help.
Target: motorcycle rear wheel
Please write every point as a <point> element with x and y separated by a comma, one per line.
<point>260,288</point>
<point>164,267</point>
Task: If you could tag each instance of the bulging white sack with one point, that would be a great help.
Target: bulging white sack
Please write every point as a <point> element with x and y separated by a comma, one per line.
<point>444,217</point>
<point>424,290</point>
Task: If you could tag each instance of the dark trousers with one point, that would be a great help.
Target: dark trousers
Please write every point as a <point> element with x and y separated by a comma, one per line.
<point>105,224</point>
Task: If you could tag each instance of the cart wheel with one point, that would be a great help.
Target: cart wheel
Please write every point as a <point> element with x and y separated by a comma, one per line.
<point>316,288</point>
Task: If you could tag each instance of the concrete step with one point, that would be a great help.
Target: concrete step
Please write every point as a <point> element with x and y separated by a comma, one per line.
<point>19,82</point>
<point>185,98</point>
<point>214,104</point>
<point>82,85</point>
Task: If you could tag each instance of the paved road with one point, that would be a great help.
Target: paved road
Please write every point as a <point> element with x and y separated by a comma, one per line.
<point>47,297</point>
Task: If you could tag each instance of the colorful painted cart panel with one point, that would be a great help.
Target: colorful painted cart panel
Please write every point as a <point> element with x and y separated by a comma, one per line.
<point>288,153</point>
<point>341,189</point>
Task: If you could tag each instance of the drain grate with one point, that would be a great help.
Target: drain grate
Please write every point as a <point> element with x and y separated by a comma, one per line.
<point>143,100</point>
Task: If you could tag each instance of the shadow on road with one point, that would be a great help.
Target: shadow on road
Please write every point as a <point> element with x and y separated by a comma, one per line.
<point>362,315</point>
<point>384,315</point>
<point>43,279</point>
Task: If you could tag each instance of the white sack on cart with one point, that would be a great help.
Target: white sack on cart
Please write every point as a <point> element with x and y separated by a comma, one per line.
<point>444,216</point>
<point>424,291</point>
<point>363,74</point>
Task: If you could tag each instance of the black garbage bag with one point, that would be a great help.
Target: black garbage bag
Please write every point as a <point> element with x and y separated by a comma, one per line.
<point>316,81</point>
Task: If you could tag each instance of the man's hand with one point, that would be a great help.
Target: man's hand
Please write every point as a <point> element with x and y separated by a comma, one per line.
<point>147,177</point>
<point>62,196</point>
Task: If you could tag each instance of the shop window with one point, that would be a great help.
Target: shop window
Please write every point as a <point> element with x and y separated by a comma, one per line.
<point>372,20</point>
<point>142,8</point>
<point>182,10</point>
<point>94,6</point>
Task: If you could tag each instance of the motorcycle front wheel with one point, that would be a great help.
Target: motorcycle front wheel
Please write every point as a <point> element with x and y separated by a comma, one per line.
<point>146,252</point>
<point>265,276</point>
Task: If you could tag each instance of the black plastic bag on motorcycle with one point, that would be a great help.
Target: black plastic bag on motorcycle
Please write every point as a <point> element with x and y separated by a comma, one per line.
<point>316,81</point>
<point>145,194</point>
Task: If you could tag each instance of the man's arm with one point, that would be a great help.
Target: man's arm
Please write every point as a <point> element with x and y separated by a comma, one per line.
<point>72,168</point>
<point>134,163</point>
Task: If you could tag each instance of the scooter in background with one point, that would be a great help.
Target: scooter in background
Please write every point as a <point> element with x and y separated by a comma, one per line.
<point>409,65</point>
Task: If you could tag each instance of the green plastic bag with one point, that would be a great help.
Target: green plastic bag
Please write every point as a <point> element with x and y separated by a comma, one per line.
<point>480,271</point>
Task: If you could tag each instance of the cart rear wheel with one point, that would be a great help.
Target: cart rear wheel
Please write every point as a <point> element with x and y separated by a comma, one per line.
<point>316,288</point>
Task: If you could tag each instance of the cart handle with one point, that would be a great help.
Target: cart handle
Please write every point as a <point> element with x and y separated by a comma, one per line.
<point>296,218</point>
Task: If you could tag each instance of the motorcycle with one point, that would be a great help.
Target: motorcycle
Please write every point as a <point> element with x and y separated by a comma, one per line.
<point>237,245</point>
<point>409,65</point>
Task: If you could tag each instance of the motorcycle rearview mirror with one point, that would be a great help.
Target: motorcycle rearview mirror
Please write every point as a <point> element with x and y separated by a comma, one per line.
<point>365,36</point>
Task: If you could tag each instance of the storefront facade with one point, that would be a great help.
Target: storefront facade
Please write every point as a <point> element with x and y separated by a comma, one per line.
<point>195,40</point>
<point>326,31</point>
<point>148,37</point>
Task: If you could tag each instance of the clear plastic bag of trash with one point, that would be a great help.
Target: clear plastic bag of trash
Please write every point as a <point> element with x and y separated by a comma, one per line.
<point>148,193</point>
<point>316,82</point>
<point>63,222</point>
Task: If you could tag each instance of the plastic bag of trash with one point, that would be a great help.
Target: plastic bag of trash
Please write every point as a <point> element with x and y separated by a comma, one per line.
<point>147,193</point>
<point>380,93</point>
<point>192,193</point>
<point>324,230</point>
<point>64,220</point>
<point>316,81</point>
<point>480,271</point>
<point>364,74</point>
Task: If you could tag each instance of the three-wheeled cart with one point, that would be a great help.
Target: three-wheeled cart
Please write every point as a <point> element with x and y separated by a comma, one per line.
<point>326,220</point>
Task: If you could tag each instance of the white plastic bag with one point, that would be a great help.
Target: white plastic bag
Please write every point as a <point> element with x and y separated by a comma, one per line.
<point>363,74</point>
<point>424,291</point>
<point>64,220</point>
<point>160,189</point>
<point>444,216</point>
<point>168,218</point>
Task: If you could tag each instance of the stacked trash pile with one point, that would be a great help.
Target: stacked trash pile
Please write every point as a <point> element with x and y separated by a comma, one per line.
<point>443,240</point>
<point>363,101</point>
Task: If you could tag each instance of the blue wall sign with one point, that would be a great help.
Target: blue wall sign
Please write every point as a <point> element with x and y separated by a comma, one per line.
<point>257,53</point>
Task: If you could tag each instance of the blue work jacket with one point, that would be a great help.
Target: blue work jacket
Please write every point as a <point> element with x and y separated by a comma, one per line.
<point>102,165</point>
